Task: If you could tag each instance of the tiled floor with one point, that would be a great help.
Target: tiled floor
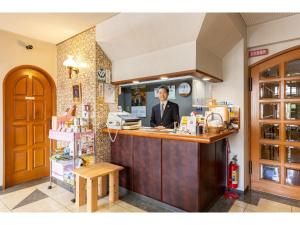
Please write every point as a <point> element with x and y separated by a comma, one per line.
<point>254,201</point>
<point>264,205</point>
<point>39,198</point>
<point>36,197</point>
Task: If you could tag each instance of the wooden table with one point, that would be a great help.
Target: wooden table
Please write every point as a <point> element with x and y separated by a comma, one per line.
<point>88,177</point>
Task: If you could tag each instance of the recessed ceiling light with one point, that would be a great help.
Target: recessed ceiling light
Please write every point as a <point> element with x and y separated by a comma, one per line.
<point>135,82</point>
<point>206,78</point>
<point>164,78</point>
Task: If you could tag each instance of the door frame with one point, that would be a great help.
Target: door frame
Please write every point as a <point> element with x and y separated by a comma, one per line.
<point>53,89</point>
<point>249,93</point>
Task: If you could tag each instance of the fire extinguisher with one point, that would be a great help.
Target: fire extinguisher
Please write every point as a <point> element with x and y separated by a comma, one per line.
<point>233,173</point>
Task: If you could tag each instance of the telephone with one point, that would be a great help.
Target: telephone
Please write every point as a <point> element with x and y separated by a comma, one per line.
<point>123,121</point>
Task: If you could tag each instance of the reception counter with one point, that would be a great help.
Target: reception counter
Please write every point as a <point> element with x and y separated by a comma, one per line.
<point>184,171</point>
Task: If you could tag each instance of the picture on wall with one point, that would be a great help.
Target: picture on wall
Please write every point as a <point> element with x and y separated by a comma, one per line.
<point>138,101</point>
<point>138,96</point>
<point>76,88</point>
<point>109,93</point>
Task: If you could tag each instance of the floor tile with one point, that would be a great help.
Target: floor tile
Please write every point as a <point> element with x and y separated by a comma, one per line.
<point>103,204</point>
<point>240,204</point>
<point>251,208</point>
<point>44,205</point>
<point>295,209</point>
<point>64,198</point>
<point>111,208</point>
<point>51,192</point>
<point>265,205</point>
<point>3,208</point>
<point>13,198</point>
<point>129,207</point>
<point>36,195</point>
<point>236,208</point>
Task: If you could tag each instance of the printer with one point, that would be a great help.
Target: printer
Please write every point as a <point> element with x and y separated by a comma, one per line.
<point>123,121</point>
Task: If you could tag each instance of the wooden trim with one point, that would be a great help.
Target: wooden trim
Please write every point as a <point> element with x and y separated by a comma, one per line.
<point>194,73</point>
<point>273,56</point>
<point>53,87</point>
<point>280,188</point>
<point>206,138</point>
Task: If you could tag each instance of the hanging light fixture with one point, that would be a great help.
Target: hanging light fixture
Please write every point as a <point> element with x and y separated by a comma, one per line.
<point>71,65</point>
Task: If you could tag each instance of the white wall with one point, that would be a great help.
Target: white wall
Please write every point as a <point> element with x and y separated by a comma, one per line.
<point>12,54</point>
<point>176,58</point>
<point>234,89</point>
<point>276,36</point>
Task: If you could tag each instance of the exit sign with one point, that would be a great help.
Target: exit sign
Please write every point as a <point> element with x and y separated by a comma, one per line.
<point>258,52</point>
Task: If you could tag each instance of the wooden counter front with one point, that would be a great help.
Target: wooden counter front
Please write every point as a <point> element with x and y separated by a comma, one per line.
<point>188,172</point>
<point>205,138</point>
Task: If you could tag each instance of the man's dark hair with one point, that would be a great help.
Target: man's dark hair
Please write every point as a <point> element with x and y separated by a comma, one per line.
<point>165,88</point>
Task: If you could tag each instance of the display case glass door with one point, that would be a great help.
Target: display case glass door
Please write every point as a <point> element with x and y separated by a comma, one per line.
<point>275,125</point>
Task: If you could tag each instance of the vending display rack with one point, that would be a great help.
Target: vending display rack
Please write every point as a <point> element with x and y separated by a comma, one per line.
<point>76,139</point>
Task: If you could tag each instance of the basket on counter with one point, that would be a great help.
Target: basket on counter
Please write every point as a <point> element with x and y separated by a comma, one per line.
<point>214,127</point>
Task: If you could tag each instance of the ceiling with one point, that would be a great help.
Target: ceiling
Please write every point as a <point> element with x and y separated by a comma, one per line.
<point>50,27</point>
<point>57,27</point>
<point>218,34</point>
<point>131,34</point>
<point>257,18</point>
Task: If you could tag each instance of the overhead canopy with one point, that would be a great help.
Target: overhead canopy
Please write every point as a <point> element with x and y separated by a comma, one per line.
<point>147,44</point>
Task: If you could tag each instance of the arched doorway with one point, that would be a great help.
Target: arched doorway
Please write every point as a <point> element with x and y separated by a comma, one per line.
<point>29,103</point>
<point>275,124</point>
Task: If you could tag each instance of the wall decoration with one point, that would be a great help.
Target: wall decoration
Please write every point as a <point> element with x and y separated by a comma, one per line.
<point>139,111</point>
<point>101,75</point>
<point>109,93</point>
<point>184,89</point>
<point>138,96</point>
<point>76,88</point>
<point>172,92</point>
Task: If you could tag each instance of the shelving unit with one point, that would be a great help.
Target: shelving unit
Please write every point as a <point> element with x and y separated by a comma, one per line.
<point>76,152</point>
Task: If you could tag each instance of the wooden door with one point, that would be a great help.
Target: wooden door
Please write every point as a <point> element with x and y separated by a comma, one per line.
<point>275,125</point>
<point>28,111</point>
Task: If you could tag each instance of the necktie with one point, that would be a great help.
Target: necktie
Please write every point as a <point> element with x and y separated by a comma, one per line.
<point>162,110</point>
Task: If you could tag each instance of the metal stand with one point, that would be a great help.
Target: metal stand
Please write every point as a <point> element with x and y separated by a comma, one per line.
<point>74,161</point>
<point>77,146</point>
<point>50,177</point>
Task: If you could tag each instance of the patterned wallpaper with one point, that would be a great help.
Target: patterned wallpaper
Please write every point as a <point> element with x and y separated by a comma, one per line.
<point>90,56</point>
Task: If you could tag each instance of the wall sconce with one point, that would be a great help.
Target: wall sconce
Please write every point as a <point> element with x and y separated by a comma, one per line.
<point>71,65</point>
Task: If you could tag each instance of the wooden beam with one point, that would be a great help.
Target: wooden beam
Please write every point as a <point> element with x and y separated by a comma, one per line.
<point>195,73</point>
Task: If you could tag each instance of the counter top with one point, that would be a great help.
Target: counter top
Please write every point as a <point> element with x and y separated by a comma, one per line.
<point>205,138</point>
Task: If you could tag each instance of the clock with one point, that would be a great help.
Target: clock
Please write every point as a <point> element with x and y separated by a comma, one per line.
<point>184,89</point>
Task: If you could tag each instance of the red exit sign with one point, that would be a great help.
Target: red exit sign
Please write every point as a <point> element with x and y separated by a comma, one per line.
<point>258,52</point>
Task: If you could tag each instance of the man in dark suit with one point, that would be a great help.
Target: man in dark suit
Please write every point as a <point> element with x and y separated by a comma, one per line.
<point>165,113</point>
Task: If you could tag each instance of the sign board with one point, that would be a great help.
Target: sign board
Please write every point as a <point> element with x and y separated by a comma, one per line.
<point>258,52</point>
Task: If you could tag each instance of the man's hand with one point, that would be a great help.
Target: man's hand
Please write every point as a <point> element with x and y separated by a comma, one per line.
<point>160,127</point>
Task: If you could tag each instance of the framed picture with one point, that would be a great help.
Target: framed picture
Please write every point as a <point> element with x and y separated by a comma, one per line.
<point>101,75</point>
<point>76,92</point>
<point>138,96</point>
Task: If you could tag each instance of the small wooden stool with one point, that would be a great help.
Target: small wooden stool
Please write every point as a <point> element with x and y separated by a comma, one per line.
<point>88,177</point>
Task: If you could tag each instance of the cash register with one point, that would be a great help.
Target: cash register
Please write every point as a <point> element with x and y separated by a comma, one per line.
<point>123,121</point>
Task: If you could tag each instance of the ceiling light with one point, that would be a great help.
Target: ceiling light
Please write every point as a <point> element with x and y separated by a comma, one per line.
<point>206,78</point>
<point>135,82</point>
<point>164,78</point>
